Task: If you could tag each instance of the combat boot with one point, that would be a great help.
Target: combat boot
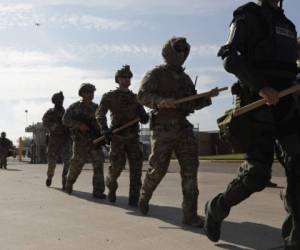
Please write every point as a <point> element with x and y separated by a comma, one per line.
<point>64,181</point>
<point>99,195</point>
<point>212,227</point>
<point>133,201</point>
<point>69,188</point>
<point>48,181</point>
<point>112,196</point>
<point>196,221</point>
<point>143,205</point>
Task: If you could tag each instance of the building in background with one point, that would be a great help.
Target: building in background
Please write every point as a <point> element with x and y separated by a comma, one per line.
<point>39,141</point>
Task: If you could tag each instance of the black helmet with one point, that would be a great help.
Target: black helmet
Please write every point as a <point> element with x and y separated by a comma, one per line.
<point>86,87</point>
<point>3,134</point>
<point>57,97</point>
<point>123,72</point>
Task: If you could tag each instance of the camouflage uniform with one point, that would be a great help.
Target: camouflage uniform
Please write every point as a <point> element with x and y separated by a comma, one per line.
<point>5,146</point>
<point>171,131</point>
<point>124,108</point>
<point>83,148</point>
<point>260,59</point>
<point>59,140</point>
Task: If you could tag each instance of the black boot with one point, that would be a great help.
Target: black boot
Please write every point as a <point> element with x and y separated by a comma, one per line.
<point>48,181</point>
<point>133,201</point>
<point>143,205</point>
<point>112,196</point>
<point>69,188</point>
<point>215,212</point>
<point>99,195</point>
<point>196,221</point>
<point>64,181</point>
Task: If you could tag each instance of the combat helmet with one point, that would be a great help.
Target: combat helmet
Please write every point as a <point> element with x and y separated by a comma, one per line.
<point>86,87</point>
<point>123,72</point>
<point>170,51</point>
<point>57,97</point>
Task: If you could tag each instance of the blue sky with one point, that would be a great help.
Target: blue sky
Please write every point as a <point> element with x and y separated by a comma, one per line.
<point>79,41</point>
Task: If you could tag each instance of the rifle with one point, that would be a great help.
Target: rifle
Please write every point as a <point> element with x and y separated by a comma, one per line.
<point>182,100</point>
<point>118,130</point>
<point>91,123</point>
<point>261,102</point>
<point>198,96</point>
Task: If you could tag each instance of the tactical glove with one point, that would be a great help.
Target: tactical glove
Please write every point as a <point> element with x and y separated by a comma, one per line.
<point>108,136</point>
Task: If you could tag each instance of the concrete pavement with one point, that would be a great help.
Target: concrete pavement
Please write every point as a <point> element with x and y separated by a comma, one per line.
<point>33,216</point>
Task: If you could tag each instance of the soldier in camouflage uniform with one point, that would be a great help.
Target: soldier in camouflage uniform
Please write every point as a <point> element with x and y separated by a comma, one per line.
<point>171,131</point>
<point>5,146</point>
<point>123,105</point>
<point>80,118</point>
<point>59,140</point>
<point>261,52</point>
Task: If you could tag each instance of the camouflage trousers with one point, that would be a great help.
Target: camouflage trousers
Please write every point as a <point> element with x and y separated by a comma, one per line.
<point>3,161</point>
<point>59,148</point>
<point>254,175</point>
<point>82,152</point>
<point>120,149</point>
<point>167,139</point>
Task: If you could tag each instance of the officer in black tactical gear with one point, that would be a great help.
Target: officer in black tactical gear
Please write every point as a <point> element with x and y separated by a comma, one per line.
<point>261,52</point>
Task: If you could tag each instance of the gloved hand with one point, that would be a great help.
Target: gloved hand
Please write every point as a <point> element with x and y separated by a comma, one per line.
<point>108,136</point>
<point>144,118</point>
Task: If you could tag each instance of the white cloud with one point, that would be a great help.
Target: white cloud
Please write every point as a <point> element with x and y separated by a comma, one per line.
<point>14,8</point>
<point>11,57</point>
<point>201,7</point>
<point>24,15</point>
<point>87,22</point>
<point>200,50</point>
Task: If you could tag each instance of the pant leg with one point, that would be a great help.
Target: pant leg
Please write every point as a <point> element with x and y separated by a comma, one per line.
<point>253,176</point>
<point>186,151</point>
<point>66,154</point>
<point>162,147</point>
<point>98,176</point>
<point>5,162</point>
<point>53,152</point>
<point>135,159</point>
<point>118,161</point>
<point>80,154</point>
<point>291,146</point>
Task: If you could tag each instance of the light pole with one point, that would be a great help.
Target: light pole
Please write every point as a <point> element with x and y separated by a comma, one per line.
<point>26,112</point>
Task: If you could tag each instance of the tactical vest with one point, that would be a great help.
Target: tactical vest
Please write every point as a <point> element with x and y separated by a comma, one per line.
<point>172,84</point>
<point>274,53</point>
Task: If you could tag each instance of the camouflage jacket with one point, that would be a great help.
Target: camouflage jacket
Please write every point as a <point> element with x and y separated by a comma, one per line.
<point>123,107</point>
<point>79,113</point>
<point>166,81</point>
<point>5,146</point>
<point>52,120</point>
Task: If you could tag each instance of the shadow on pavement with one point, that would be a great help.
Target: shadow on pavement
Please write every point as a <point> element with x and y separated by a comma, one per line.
<point>250,235</point>
<point>12,169</point>
<point>247,235</point>
<point>122,201</point>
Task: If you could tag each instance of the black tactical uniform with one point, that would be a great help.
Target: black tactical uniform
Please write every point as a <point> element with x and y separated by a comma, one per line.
<point>261,52</point>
